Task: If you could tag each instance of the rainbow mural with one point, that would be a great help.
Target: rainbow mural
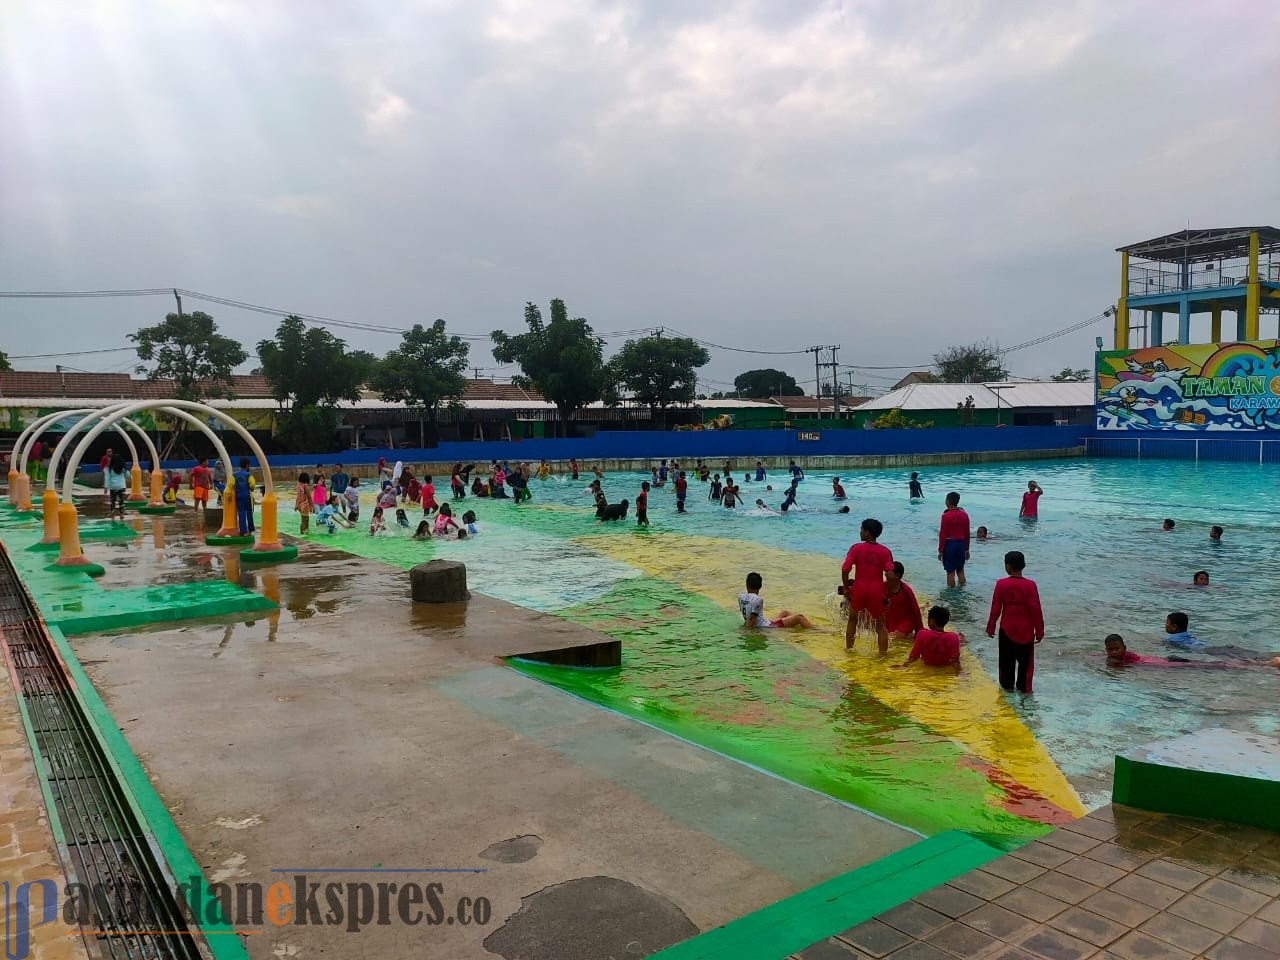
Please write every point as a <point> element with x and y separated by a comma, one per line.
<point>1190,387</point>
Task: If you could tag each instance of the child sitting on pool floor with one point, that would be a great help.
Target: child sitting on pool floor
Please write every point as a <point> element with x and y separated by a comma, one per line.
<point>751,604</point>
<point>934,645</point>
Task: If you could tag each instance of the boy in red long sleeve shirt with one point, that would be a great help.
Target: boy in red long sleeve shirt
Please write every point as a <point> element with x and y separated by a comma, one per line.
<point>953,540</point>
<point>868,560</point>
<point>1016,605</point>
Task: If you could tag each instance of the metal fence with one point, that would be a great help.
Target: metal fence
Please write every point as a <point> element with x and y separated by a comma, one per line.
<point>1215,449</point>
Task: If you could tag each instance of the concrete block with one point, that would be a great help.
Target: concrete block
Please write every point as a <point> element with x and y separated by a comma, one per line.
<point>439,581</point>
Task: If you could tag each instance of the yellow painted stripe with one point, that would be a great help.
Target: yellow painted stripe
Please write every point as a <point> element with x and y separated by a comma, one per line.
<point>969,709</point>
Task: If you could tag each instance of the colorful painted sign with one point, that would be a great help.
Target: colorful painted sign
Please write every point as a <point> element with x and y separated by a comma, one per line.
<point>1190,387</point>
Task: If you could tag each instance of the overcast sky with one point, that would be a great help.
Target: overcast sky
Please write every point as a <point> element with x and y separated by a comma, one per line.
<point>890,176</point>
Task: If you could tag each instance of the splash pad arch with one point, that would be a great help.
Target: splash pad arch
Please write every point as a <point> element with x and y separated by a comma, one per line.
<point>71,556</point>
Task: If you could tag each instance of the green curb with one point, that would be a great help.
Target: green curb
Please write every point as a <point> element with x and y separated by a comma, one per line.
<point>1158,783</point>
<point>146,803</point>
<point>92,569</point>
<point>790,925</point>
<point>216,541</point>
<point>44,546</point>
<point>156,510</point>
<point>283,555</point>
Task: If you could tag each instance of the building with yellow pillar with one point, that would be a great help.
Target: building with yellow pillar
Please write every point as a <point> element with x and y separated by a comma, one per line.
<point>1196,277</point>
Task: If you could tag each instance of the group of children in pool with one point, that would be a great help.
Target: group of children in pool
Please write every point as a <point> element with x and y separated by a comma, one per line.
<point>878,595</point>
<point>339,505</point>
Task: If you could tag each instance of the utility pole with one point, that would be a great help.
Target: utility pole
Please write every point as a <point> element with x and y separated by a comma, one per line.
<point>835,380</point>
<point>179,299</point>
<point>817,375</point>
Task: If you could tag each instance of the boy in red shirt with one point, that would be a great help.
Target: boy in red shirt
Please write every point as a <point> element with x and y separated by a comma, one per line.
<point>1016,605</point>
<point>953,540</point>
<point>642,505</point>
<point>868,560</point>
<point>935,646</point>
<point>901,608</point>
<point>1031,501</point>
<point>201,481</point>
<point>682,491</point>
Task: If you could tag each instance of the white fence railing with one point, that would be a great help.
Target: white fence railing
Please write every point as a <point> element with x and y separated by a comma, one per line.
<point>1225,449</point>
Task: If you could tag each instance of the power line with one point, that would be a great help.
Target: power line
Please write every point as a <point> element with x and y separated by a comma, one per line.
<point>69,353</point>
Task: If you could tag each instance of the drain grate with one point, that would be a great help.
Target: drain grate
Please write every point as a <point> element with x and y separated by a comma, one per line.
<point>135,915</point>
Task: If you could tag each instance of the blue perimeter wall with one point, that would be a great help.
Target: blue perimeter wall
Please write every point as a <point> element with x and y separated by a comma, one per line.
<point>707,444</point>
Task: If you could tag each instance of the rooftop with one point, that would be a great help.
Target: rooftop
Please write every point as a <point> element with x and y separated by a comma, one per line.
<point>1199,245</point>
<point>1012,394</point>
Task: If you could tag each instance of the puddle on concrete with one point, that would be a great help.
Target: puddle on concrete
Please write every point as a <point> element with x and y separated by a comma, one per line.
<point>590,918</point>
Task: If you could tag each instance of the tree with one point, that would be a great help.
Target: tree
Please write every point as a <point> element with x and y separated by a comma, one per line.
<point>965,412</point>
<point>4,361</point>
<point>895,419</point>
<point>562,360</point>
<point>766,383</point>
<point>310,371</point>
<point>427,370</point>
<point>1071,374</point>
<point>659,371</point>
<point>975,363</point>
<point>188,350</point>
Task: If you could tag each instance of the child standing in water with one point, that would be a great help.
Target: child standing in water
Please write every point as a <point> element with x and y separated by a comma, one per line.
<point>642,505</point>
<point>319,496</point>
<point>914,490</point>
<point>351,496</point>
<point>377,525</point>
<point>429,505</point>
<point>302,502</point>
<point>1015,604</point>
<point>1031,501</point>
<point>868,559</point>
<point>953,540</point>
<point>714,492</point>
<point>682,490</point>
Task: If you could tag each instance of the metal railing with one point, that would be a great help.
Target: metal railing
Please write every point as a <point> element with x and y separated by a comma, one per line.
<point>1215,449</point>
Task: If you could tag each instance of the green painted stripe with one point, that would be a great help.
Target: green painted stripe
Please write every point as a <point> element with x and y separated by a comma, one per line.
<point>794,923</point>
<point>142,797</point>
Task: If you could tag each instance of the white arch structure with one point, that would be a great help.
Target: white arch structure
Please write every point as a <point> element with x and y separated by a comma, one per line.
<point>20,482</point>
<point>71,555</point>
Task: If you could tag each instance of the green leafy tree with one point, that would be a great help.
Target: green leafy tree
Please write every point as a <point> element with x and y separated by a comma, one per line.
<point>895,419</point>
<point>1069,374</point>
<point>975,363</point>
<point>562,360</point>
<point>659,371</point>
<point>310,372</point>
<point>188,350</point>
<point>4,361</point>
<point>427,371</point>
<point>965,411</point>
<point>766,383</point>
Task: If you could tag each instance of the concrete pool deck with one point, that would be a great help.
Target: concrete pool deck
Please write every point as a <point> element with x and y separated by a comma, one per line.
<point>350,730</point>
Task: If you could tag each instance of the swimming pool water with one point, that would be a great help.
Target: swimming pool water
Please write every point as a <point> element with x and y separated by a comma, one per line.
<point>929,750</point>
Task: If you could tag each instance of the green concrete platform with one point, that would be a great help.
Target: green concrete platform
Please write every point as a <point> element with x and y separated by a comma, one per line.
<point>1212,774</point>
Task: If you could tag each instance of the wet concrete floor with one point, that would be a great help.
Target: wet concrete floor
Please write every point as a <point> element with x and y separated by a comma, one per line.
<point>352,731</point>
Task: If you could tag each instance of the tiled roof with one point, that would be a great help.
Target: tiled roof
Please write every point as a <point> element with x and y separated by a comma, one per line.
<point>45,383</point>
<point>806,404</point>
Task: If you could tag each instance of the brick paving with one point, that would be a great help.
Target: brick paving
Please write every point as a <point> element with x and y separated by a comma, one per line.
<point>1120,884</point>
<point>27,850</point>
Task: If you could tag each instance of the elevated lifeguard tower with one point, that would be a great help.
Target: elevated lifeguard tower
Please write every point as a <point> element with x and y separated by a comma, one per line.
<point>1225,269</point>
